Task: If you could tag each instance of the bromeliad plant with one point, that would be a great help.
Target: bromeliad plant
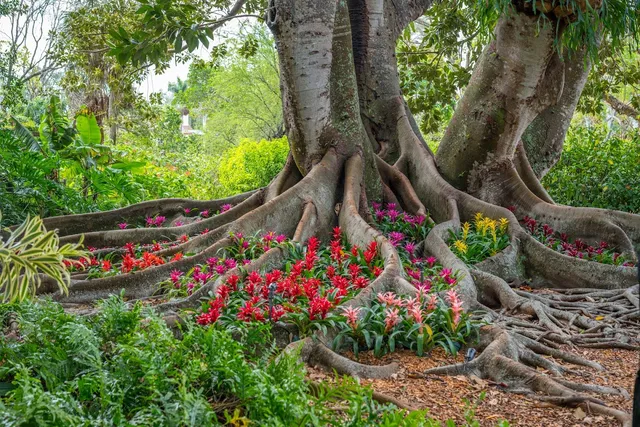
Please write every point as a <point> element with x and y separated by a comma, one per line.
<point>602,253</point>
<point>31,250</point>
<point>315,280</point>
<point>418,324</point>
<point>478,241</point>
<point>240,252</point>
<point>404,231</point>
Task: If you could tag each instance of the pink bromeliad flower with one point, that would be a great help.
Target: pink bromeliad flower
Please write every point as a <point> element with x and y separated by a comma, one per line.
<point>433,301</point>
<point>410,247</point>
<point>395,238</point>
<point>175,275</point>
<point>187,211</point>
<point>431,261</point>
<point>205,213</point>
<point>352,313</point>
<point>389,298</point>
<point>411,303</point>
<point>391,319</point>
<point>416,314</point>
<point>445,272</point>
<point>123,225</point>
<point>159,220</point>
<point>456,305</point>
<point>226,207</point>
<point>280,238</point>
<point>179,223</point>
<point>149,221</point>
<point>393,214</point>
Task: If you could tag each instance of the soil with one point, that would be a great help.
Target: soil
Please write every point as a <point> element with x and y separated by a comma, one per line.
<point>450,397</point>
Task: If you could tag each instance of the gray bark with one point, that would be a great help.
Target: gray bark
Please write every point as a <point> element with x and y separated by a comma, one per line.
<point>545,136</point>
<point>517,77</point>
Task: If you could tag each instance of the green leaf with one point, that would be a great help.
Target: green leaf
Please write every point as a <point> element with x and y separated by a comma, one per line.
<point>88,129</point>
<point>25,136</point>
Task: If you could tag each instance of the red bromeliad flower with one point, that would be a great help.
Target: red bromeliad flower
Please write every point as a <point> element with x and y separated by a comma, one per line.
<point>331,271</point>
<point>106,265</point>
<point>377,271</point>
<point>319,306</point>
<point>128,263</point>
<point>249,312</point>
<point>131,248</point>
<point>361,282</point>
<point>177,257</point>
<point>371,252</point>
<point>354,270</point>
<point>337,233</point>
<point>214,312</point>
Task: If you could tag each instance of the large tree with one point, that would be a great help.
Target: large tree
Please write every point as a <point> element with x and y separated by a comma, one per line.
<point>353,140</point>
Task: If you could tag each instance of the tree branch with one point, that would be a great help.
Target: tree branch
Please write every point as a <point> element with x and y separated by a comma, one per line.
<point>622,108</point>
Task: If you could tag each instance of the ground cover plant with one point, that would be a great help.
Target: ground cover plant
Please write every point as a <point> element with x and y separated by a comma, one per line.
<point>124,366</point>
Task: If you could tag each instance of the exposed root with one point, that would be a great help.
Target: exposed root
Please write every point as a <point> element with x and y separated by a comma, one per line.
<point>315,353</point>
<point>504,359</point>
<point>401,186</point>
<point>116,238</point>
<point>99,221</point>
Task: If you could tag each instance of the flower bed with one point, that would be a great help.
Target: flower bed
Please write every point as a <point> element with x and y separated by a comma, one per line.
<point>315,280</point>
<point>241,252</point>
<point>417,323</point>
<point>559,242</point>
<point>484,238</point>
<point>405,232</point>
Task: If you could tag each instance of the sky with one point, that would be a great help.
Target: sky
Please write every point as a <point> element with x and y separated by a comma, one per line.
<point>155,82</point>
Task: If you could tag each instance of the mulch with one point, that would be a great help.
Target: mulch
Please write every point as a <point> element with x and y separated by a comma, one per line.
<point>450,397</point>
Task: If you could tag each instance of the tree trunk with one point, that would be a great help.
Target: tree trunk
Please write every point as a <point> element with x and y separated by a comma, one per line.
<point>518,76</point>
<point>544,137</point>
<point>111,114</point>
<point>353,140</point>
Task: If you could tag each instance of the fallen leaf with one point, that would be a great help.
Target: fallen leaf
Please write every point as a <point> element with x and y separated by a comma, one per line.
<point>579,414</point>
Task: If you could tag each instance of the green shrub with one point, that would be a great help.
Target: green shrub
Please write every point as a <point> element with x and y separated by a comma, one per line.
<point>598,170</point>
<point>251,164</point>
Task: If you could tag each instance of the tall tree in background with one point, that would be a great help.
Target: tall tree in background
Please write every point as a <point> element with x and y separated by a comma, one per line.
<point>354,140</point>
<point>26,46</point>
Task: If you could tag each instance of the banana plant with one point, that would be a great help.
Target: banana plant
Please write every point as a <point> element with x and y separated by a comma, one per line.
<point>29,251</point>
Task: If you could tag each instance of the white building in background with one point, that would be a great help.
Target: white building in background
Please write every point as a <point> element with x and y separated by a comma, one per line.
<point>186,128</point>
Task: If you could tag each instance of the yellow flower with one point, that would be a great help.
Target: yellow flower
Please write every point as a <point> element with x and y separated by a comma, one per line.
<point>465,230</point>
<point>478,219</point>
<point>504,223</point>
<point>461,246</point>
